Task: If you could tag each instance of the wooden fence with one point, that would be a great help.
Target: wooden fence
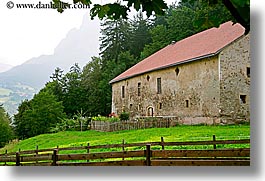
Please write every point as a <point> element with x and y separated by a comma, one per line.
<point>146,154</point>
<point>156,122</point>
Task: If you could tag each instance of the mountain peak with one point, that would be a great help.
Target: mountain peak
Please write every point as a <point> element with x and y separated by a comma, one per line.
<point>79,45</point>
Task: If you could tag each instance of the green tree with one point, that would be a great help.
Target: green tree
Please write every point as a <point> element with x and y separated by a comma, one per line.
<point>56,83</point>
<point>115,36</point>
<point>38,115</point>
<point>208,14</point>
<point>117,10</point>
<point>109,71</point>
<point>93,102</point>
<point>184,20</point>
<point>140,34</point>
<point>159,40</point>
<point>72,91</point>
<point>239,10</point>
<point>19,120</point>
<point>66,87</point>
<point>6,132</point>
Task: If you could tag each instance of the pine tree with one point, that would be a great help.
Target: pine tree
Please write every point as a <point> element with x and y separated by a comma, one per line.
<point>140,35</point>
<point>114,39</point>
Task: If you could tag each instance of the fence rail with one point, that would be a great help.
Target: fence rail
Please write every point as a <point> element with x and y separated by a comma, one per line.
<point>167,155</point>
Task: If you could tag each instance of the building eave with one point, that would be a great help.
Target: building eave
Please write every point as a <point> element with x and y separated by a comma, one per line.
<point>177,63</point>
<point>166,66</point>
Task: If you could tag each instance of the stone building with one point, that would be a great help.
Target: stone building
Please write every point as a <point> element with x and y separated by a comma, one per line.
<point>204,78</point>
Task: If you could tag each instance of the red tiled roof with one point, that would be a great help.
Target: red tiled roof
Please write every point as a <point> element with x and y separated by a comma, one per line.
<point>203,44</point>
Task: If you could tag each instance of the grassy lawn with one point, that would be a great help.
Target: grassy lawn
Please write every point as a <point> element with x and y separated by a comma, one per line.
<point>174,134</point>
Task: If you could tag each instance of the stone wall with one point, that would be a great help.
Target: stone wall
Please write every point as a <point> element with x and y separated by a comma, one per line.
<point>235,81</point>
<point>189,91</point>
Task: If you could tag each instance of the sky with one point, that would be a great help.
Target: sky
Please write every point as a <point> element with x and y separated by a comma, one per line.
<point>28,33</point>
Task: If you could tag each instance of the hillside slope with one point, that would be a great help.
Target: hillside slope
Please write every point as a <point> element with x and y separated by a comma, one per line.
<point>179,133</point>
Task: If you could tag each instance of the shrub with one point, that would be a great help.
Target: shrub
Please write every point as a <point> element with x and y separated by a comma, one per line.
<point>107,119</point>
<point>124,116</point>
<point>113,119</point>
<point>99,118</point>
<point>78,123</point>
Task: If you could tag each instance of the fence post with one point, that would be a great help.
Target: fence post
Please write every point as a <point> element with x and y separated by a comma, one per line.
<point>214,145</point>
<point>162,143</point>
<point>148,155</point>
<point>6,156</point>
<point>87,151</point>
<point>123,148</point>
<point>17,159</point>
<point>55,157</point>
<point>37,147</point>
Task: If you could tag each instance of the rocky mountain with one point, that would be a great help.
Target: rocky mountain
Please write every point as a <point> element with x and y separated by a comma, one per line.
<point>24,80</point>
<point>77,47</point>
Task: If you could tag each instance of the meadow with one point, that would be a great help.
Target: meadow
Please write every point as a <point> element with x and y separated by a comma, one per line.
<point>173,134</point>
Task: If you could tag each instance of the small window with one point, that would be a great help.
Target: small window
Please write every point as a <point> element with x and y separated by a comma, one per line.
<point>248,72</point>
<point>123,91</point>
<point>148,77</point>
<point>187,103</point>
<point>159,89</point>
<point>160,105</point>
<point>139,89</point>
<point>177,71</point>
<point>139,107</point>
<point>243,99</point>
<point>131,106</point>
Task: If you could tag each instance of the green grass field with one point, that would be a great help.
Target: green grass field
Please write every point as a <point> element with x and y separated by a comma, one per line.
<point>174,134</point>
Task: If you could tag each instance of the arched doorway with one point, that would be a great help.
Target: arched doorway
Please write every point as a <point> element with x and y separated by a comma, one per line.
<point>150,111</point>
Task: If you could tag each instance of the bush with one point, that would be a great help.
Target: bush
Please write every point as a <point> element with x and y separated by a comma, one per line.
<point>124,116</point>
<point>114,119</point>
<point>99,118</point>
<point>72,124</point>
<point>107,119</point>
